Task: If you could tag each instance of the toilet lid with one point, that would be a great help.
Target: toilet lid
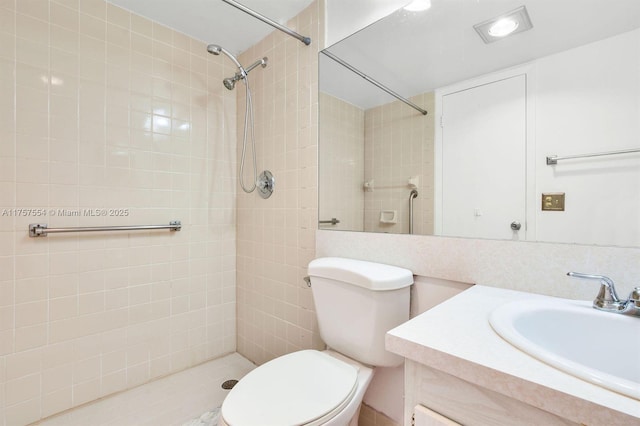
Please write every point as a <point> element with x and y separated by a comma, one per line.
<point>296,389</point>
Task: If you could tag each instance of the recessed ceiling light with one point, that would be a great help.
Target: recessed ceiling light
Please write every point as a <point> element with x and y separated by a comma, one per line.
<point>503,27</point>
<point>513,22</point>
<point>418,5</point>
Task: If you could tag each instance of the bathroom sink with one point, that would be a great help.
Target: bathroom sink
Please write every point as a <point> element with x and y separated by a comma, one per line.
<point>599,347</point>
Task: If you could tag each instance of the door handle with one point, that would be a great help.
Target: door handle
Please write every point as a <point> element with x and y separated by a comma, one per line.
<point>515,225</point>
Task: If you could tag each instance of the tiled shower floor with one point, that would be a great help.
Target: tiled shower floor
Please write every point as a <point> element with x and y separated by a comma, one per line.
<point>170,401</point>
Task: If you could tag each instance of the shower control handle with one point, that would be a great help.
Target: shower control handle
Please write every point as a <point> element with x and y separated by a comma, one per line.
<point>265,184</point>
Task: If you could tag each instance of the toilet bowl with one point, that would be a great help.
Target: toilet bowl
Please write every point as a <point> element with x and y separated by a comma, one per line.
<point>356,302</point>
<point>302,388</point>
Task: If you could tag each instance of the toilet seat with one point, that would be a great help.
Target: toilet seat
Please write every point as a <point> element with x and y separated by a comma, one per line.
<point>302,388</point>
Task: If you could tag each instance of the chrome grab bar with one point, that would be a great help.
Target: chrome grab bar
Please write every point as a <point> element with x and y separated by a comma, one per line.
<point>41,229</point>
<point>553,159</point>
<point>412,196</point>
<point>333,221</point>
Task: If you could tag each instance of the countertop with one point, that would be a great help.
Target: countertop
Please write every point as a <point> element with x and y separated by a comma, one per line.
<point>456,337</point>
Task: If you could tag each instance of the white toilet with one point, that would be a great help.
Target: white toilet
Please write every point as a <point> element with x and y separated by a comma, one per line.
<point>356,302</point>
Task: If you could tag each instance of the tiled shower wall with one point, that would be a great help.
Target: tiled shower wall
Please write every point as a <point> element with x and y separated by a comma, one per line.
<point>107,118</point>
<point>383,147</point>
<point>341,158</point>
<point>399,143</point>
<point>276,236</point>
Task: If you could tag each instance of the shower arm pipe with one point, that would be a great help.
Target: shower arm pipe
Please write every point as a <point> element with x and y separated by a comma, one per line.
<point>374,82</point>
<point>262,62</point>
<point>245,9</point>
<point>243,72</point>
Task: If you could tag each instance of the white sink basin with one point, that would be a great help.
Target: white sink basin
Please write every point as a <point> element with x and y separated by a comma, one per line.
<point>599,347</point>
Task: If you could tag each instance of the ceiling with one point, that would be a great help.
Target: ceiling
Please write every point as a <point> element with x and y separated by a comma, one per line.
<point>214,21</point>
<point>413,53</point>
<point>408,52</point>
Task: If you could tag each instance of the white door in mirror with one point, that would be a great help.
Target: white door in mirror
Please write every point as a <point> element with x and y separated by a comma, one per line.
<point>481,119</point>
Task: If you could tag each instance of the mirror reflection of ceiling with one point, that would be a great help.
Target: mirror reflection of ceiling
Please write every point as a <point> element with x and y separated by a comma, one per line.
<point>423,39</point>
<point>567,87</point>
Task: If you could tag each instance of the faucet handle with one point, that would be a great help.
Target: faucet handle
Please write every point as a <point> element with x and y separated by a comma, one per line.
<point>634,297</point>
<point>607,299</point>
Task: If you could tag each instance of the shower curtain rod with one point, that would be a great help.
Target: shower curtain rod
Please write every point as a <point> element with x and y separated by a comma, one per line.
<point>245,9</point>
<point>374,82</point>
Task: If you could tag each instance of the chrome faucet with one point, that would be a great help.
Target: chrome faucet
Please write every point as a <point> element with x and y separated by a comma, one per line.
<point>607,300</point>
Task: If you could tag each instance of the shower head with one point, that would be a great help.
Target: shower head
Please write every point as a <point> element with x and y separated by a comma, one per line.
<point>229,82</point>
<point>214,49</point>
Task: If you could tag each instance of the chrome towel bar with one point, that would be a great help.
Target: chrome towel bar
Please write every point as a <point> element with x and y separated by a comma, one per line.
<point>333,221</point>
<point>41,229</point>
<point>553,159</point>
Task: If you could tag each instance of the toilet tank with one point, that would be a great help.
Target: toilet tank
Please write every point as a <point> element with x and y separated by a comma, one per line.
<point>357,302</point>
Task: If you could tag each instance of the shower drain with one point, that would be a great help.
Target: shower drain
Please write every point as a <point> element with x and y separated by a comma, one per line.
<point>229,384</point>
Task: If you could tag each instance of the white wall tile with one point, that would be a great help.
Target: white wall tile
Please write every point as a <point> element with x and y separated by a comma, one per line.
<point>83,137</point>
<point>267,238</point>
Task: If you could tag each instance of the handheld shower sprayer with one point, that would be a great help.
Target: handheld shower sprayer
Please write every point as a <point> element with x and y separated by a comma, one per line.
<point>216,50</point>
<point>230,83</point>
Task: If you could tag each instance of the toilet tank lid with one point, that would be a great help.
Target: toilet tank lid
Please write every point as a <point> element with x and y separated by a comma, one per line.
<point>370,275</point>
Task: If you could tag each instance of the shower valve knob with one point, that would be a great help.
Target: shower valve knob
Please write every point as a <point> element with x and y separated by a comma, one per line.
<point>265,184</point>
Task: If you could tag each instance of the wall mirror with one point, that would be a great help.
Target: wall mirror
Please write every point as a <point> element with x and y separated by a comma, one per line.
<point>476,164</point>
